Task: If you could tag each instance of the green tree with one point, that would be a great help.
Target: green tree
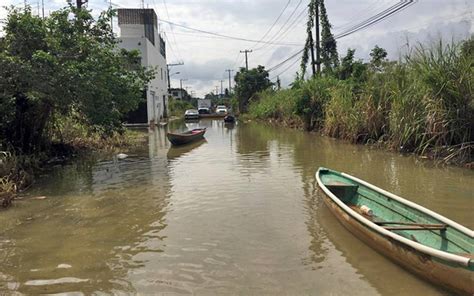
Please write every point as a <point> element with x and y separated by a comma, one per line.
<point>351,69</point>
<point>62,66</point>
<point>347,63</point>
<point>378,56</point>
<point>309,43</point>
<point>249,82</point>
<point>328,44</point>
<point>329,56</point>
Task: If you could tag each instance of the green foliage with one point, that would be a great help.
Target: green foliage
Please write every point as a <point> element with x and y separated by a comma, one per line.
<point>178,107</point>
<point>60,66</point>
<point>277,105</point>
<point>423,104</point>
<point>311,99</point>
<point>378,56</point>
<point>328,44</point>
<point>329,56</point>
<point>249,82</point>
<point>350,69</point>
<point>309,43</point>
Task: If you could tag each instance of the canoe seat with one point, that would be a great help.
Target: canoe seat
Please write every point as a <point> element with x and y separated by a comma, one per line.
<point>343,191</point>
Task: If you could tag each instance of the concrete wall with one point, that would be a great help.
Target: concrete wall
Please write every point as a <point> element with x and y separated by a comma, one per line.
<point>133,37</point>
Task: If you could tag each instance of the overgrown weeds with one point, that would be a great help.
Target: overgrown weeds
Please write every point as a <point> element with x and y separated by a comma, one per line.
<point>422,104</point>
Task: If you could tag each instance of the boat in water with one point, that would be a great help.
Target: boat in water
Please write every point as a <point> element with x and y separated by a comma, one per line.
<point>424,242</point>
<point>186,137</point>
<point>229,119</point>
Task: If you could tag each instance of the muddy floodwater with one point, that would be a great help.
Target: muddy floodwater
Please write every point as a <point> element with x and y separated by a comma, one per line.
<point>237,213</point>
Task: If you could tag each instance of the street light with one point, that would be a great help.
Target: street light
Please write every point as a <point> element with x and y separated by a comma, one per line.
<point>169,80</point>
<point>174,73</point>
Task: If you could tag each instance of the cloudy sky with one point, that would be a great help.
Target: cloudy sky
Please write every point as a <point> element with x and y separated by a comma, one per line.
<point>206,57</point>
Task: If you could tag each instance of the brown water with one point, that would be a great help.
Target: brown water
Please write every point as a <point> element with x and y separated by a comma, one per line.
<point>235,214</point>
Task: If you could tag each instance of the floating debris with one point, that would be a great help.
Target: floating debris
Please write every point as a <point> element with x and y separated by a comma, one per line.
<point>39,197</point>
<point>122,156</point>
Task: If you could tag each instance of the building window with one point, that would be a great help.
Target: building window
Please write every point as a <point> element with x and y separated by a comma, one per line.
<point>161,73</point>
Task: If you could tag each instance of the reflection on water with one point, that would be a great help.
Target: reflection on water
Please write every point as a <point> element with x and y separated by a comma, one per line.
<point>238,212</point>
<point>177,151</point>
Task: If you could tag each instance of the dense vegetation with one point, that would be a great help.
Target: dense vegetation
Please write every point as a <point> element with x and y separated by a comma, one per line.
<point>423,103</point>
<point>63,83</point>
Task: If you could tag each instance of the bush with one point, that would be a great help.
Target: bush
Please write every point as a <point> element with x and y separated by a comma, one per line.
<point>423,104</point>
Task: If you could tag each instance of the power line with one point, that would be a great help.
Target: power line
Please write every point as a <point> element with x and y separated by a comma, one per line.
<point>286,60</point>
<point>289,29</point>
<point>274,23</point>
<point>281,28</point>
<point>172,33</point>
<point>223,35</point>
<point>286,69</point>
<point>403,4</point>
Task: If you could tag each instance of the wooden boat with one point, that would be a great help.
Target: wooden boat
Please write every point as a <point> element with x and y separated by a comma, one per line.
<point>186,137</point>
<point>229,119</point>
<point>426,243</point>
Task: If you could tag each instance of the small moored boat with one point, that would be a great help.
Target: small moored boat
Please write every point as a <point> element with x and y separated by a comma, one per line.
<point>428,244</point>
<point>229,119</point>
<point>186,137</point>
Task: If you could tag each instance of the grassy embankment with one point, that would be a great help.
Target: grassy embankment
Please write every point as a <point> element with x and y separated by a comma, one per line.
<point>423,104</point>
<point>69,139</point>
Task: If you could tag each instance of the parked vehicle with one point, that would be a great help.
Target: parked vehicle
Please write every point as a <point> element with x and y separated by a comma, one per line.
<point>204,111</point>
<point>424,242</point>
<point>186,137</point>
<point>221,109</point>
<point>191,114</point>
<point>204,106</point>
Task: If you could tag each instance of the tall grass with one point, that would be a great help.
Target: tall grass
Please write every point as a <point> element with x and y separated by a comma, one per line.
<point>423,103</point>
<point>275,105</point>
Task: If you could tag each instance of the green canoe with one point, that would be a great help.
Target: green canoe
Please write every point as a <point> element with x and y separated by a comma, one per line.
<point>426,243</point>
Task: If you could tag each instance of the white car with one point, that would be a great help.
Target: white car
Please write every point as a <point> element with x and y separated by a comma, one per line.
<point>191,114</point>
<point>221,109</point>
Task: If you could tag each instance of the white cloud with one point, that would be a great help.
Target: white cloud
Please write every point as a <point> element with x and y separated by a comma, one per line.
<point>207,57</point>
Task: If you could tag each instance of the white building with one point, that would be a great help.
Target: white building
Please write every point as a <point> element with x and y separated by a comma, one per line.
<point>139,30</point>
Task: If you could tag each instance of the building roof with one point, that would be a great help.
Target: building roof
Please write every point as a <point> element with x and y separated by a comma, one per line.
<point>137,16</point>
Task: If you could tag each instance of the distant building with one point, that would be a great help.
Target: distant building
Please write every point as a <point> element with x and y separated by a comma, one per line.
<point>139,30</point>
<point>179,94</point>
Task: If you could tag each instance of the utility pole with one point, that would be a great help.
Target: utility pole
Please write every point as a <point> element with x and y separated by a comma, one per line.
<point>168,67</point>
<point>311,44</point>
<point>246,58</point>
<point>230,85</point>
<point>42,7</point>
<point>318,49</point>
<point>111,18</point>
<point>79,3</point>
<point>217,90</point>
<point>181,83</point>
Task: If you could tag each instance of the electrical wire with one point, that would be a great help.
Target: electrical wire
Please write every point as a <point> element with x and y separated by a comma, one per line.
<point>274,23</point>
<point>404,4</point>
<point>223,35</point>
<point>401,5</point>
<point>281,28</point>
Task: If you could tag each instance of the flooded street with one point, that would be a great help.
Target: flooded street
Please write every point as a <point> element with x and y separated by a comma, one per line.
<point>237,213</point>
